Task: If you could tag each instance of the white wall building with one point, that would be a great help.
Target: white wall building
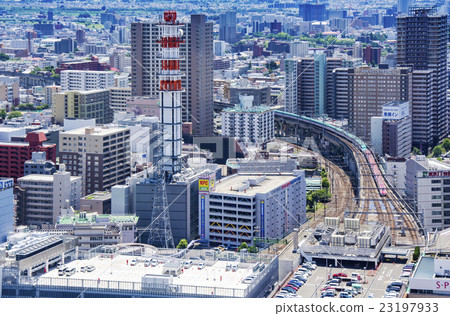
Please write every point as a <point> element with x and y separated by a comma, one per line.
<point>241,207</point>
<point>250,123</point>
<point>299,48</point>
<point>428,183</point>
<point>84,80</point>
<point>44,196</point>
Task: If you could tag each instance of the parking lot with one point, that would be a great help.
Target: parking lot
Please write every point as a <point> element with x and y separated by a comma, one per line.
<point>373,281</point>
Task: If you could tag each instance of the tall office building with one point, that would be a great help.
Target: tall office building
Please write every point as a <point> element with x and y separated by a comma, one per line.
<point>312,12</point>
<point>227,27</point>
<point>6,208</point>
<point>403,6</point>
<point>196,63</point>
<point>101,156</point>
<point>310,85</point>
<point>422,45</point>
<point>365,92</point>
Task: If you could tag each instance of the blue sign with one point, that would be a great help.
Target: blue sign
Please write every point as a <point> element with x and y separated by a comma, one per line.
<point>261,209</point>
<point>202,218</point>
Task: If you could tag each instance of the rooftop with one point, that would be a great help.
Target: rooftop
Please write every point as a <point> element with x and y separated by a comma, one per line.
<point>98,195</point>
<point>95,218</point>
<point>97,131</point>
<point>425,268</point>
<point>258,184</point>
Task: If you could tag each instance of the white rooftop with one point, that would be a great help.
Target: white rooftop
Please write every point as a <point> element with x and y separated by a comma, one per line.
<point>230,184</point>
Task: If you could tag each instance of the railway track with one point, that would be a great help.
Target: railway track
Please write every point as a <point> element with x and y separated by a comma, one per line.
<point>386,207</point>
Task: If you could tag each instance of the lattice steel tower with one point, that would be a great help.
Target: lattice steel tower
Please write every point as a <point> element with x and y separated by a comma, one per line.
<point>169,150</point>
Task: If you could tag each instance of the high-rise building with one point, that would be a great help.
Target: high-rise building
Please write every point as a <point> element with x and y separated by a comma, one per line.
<point>84,80</point>
<point>422,44</point>
<point>41,197</point>
<point>83,105</point>
<point>80,36</point>
<point>312,12</point>
<point>227,27</point>
<point>299,49</point>
<point>372,55</point>
<point>65,45</point>
<point>368,89</point>
<point>101,156</point>
<point>196,63</point>
<point>6,207</point>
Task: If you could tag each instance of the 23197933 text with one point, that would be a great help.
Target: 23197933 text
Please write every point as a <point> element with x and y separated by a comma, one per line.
<point>409,307</point>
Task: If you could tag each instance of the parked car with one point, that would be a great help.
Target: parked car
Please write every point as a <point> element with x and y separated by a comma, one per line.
<point>71,271</point>
<point>62,271</point>
<point>345,295</point>
<point>201,266</point>
<point>339,275</point>
<point>133,262</point>
<point>90,268</point>
<point>154,263</point>
<point>406,274</point>
<point>289,289</point>
<point>83,269</point>
<point>187,264</point>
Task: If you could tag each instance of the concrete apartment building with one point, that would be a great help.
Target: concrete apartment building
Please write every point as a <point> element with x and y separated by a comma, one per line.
<point>244,206</point>
<point>84,80</point>
<point>9,90</point>
<point>250,123</point>
<point>83,105</point>
<point>49,91</point>
<point>196,63</point>
<point>427,182</point>
<point>227,27</point>
<point>41,197</point>
<point>101,156</point>
<point>118,98</point>
<point>422,44</point>
<point>368,89</point>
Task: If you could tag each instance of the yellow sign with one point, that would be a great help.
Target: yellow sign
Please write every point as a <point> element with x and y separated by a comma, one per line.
<point>203,185</point>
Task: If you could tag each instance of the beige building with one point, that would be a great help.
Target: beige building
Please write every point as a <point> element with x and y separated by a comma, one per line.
<point>83,105</point>
<point>101,156</point>
<point>9,90</point>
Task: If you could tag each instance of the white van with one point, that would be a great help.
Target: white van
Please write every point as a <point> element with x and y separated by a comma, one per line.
<point>234,267</point>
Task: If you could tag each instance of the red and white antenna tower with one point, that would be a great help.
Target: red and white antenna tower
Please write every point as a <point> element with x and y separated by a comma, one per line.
<point>170,91</point>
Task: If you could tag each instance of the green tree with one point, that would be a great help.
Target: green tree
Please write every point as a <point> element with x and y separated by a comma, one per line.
<point>14,114</point>
<point>416,151</point>
<point>437,151</point>
<point>3,113</point>
<point>325,183</point>
<point>416,253</point>
<point>3,57</point>
<point>242,246</point>
<point>253,249</point>
<point>182,244</point>
<point>446,144</point>
<point>323,173</point>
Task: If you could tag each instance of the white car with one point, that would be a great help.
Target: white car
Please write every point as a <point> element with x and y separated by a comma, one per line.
<point>406,274</point>
<point>201,266</point>
<point>133,262</point>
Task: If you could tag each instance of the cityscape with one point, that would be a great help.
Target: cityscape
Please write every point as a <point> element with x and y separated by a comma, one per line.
<point>237,149</point>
